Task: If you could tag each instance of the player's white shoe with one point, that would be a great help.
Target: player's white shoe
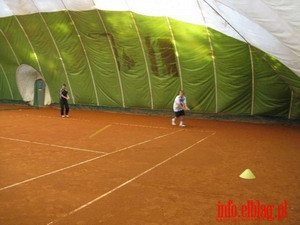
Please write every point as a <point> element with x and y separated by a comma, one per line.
<point>173,122</point>
<point>181,124</point>
<point>62,116</point>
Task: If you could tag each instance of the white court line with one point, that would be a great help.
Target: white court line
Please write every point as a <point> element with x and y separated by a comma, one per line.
<point>52,145</point>
<point>143,126</point>
<point>165,128</point>
<point>130,180</point>
<point>86,161</point>
<point>52,117</point>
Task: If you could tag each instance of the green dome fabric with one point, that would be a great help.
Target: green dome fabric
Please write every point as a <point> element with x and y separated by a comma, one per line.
<point>230,58</point>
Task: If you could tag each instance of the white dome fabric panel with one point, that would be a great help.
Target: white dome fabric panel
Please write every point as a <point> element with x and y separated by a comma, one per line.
<point>269,26</point>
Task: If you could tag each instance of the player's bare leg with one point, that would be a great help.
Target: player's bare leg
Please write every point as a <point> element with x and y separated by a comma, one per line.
<point>174,121</point>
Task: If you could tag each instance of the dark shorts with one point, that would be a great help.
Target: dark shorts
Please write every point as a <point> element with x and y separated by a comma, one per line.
<point>179,113</point>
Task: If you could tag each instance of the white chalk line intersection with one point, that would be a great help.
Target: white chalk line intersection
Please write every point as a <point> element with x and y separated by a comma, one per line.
<point>131,180</point>
<point>86,161</point>
<point>52,145</point>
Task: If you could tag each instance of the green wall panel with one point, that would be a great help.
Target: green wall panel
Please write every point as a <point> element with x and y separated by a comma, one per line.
<point>123,59</point>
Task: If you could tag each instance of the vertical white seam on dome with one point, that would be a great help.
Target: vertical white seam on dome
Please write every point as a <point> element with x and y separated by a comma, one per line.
<point>176,51</point>
<point>85,53</point>
<point>252,80</point>
<point>9,87</point>
<point>10,46</point>
<point>59,54</point>
<point>31,46</point>
<point>115,58</point>
<point>213,59</point>
<point>145,58</point>
<point>291,104</point>
<point>11,93</point>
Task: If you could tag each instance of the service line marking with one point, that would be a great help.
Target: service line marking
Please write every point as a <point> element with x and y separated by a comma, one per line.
<point>99,131</point>
<point>52,145</point>
<point>87,161</point>
<point>130,180</point>
<point>143,126</point>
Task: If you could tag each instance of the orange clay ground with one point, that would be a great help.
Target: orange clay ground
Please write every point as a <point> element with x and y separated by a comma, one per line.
<point>110,168</point>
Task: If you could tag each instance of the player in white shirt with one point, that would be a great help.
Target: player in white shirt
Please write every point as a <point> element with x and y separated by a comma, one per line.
<point>179,108</point>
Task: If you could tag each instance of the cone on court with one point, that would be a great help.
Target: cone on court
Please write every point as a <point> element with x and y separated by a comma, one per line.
<point>247,174</point>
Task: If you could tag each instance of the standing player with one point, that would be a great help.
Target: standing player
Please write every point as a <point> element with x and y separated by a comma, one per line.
<point>179,108</point>
<point>63,100</point>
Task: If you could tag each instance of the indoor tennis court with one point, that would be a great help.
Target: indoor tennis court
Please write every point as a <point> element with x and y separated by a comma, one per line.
<point>116,168</point>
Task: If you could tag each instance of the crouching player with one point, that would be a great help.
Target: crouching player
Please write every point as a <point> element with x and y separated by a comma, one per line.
<point>179,108</point>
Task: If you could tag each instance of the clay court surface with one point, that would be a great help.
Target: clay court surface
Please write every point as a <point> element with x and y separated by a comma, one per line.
<point>110,168</point>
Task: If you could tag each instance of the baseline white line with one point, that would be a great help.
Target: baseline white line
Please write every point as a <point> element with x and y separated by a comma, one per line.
<point>52,145</point>
<point>86,161</point>
<point>130,180</point>
<point>55,117</point>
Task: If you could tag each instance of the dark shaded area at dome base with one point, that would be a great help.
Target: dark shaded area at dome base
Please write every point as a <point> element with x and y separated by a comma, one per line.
<point>189,114</point>
<point>15,105</point>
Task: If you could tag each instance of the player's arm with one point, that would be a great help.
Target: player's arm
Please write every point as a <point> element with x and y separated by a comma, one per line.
<point>185,107</point>
<point>65,97</point>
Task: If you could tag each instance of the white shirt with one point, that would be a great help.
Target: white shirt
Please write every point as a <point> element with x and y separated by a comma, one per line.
<point>179,101</point>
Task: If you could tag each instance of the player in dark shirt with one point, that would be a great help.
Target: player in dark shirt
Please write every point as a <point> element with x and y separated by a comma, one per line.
<point>63,100</point>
